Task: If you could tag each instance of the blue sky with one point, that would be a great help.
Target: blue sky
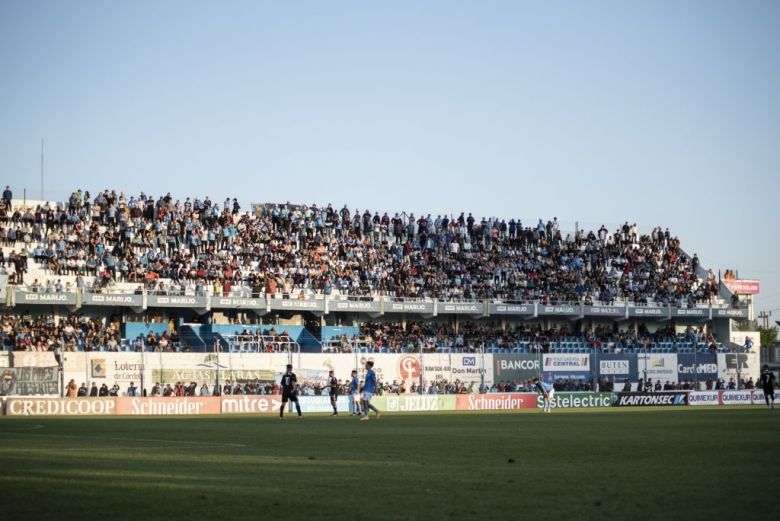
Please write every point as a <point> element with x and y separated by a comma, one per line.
<point>663,113</point>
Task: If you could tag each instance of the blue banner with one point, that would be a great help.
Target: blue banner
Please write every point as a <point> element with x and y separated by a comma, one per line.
<point>616,367</point>
<point>700,366</point>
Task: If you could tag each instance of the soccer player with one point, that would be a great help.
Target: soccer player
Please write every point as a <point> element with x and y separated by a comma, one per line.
<point>768,384</point>
<point>547,390</point>
<point>368,391</point>
<point>333,384</point>
<point>289,392</point>
<point>354,391</point>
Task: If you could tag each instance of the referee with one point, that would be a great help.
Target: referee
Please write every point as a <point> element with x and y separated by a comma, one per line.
<point>768,385</point>
<point>333,383</point>
<point>290,392</point>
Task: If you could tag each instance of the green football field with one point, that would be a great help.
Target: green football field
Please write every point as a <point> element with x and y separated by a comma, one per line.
<point>719,463</point>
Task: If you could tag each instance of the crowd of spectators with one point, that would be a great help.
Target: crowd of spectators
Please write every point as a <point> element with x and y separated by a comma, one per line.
<point>263,340</point>
<point>77,333</point>
<point>429,336</point>
<point>72,333</point>
<point>204,247</point>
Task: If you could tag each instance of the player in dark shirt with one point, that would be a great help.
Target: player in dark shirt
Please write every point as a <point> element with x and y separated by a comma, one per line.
<point>333,384</point>
<point>289,385</point>
<point>768,385</point>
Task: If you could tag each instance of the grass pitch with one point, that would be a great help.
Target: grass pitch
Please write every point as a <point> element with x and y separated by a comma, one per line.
<point>683,464</point>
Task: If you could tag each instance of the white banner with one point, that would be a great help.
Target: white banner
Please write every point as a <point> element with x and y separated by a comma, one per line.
<point>468,368</point>
<point>560,363</point>
<point>736,397</point>
<point>661,367</point>
<point>614,367</point>
<point>704,398</point>
<point>758,397</point>
<point>746,364</point>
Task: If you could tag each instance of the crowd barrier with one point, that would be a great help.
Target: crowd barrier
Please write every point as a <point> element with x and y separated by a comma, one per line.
<point>36,373</point>
<point>269,404</point>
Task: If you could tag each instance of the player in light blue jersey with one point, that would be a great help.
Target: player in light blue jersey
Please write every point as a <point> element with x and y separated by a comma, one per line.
<point>369,387</point>
<point>354,392</point>
<point>547,391</point>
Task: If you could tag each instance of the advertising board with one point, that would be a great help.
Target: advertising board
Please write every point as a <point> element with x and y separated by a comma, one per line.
<point>495,402</point>
<point>60,406</point>
<point>651,399</point>
<point>168,406</point>
<point>577,400</point>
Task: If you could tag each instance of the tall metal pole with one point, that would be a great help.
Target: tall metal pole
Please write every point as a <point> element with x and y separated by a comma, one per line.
<point>217,349</point>
<point>143,366</point>
<point>42,169</point>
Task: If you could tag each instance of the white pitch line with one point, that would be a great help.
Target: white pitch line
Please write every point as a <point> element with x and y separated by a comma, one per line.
<point>150,440</point>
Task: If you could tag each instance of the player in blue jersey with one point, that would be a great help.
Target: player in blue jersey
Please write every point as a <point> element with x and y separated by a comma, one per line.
<point>369,387</point>
<point>547,391</point>
<point>354,392</point>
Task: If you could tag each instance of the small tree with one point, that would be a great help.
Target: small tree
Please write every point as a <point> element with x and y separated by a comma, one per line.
<point>768,336</point>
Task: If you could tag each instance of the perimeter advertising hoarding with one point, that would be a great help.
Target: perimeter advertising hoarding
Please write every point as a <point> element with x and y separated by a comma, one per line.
<point>495,402</point>
<point>420,403</point>
<point>408,367</point>
<point>577,400</point>
<point>251,404</point>
<point>516,367</point>
<point>168,406</point>
<point>758,397</point>
<point>617,367</point>
<point>700,366</point>
<point>123,368</point>
<point>736,397</point>
<point>60,406</point>
<point>573,366</point>
<point>661,367</point>
<point>704,398</point>
<point>321,403</point>
<point>747,397</point>
<point>746,364</point>
<point>651,399</point>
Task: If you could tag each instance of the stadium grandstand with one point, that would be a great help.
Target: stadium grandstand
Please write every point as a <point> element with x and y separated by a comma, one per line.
<point>106,272</point>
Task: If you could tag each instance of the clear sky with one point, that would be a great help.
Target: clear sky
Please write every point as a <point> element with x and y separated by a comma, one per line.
<point>660,112</point>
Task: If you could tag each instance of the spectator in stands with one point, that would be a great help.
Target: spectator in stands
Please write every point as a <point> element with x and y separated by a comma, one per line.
<point>83,391</point>
<point>204,390</point>
<point>284,248</point>
<point>72,390</point>
<point>94,391</point>
<point>132,389</point>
